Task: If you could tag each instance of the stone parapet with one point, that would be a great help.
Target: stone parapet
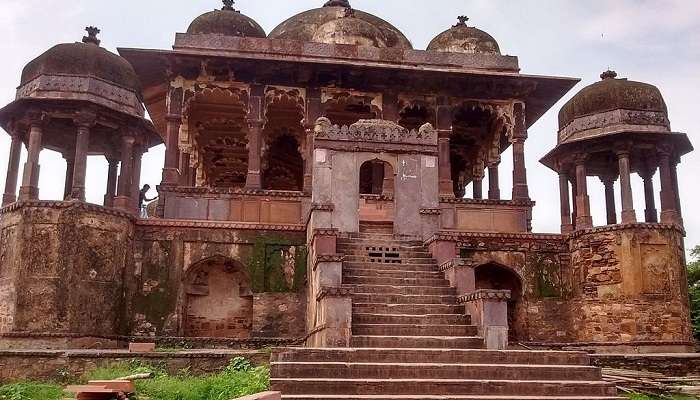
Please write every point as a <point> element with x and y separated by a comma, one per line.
<point>488,309</point>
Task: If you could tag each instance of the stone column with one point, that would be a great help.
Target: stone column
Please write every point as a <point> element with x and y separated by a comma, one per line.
<point>565,202</point>
<point>676,188</point>
<point>124,200</point>
<point>253,179</point>
<point>111,182</point>
<point>313,112</point>
<point>478,188</point>
<point>444,128</point>
<point>574,197</point>
<point>171,173</point>
<point>70,169</point>
<point>583,202</point>
<point>255,127</point>
<point>136,175</point>
<point>185,169</point>
<point>494,185</point>
<point>610,208</point>
<point>629,216</point>
<point>30,179</point>
<point>520,188</point>
<point>669,212</point>
<point>10,194</point>
<point>650,213</point>
<point>82,144</point>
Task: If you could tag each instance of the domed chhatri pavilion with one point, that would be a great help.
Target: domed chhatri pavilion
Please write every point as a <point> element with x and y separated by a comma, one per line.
<point>329,186</point>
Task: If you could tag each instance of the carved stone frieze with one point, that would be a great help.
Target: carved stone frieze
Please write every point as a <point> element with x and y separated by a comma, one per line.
<point>220,225</point>
<point>486,294</point>
<point>333,292</point>
<point>375,130</point>
<point>613,122</point>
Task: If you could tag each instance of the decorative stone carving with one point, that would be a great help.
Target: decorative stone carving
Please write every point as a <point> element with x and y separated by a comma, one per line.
<point>486,294</point>
<point>375,130</point>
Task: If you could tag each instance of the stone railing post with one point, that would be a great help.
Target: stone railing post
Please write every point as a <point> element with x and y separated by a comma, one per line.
<point>488,309</point>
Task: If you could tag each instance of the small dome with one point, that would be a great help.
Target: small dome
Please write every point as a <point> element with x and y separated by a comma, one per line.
<point>462,38</point>
<point>227,22</point>
<point>337,22</point>
<point>612,94</point>
<point>350,30</point>
<point>87,59</point>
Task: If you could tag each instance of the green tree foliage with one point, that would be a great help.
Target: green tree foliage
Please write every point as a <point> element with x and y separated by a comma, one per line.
<point>694,290</point>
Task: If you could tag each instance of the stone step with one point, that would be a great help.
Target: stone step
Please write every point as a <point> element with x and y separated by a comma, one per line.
<point>430,370</point>
<point>403,299</point>
<point>420,309</point>
<point>426,319</point>
<point>439,356</point>
<point>422,267</point>
<point>438,397</point>
<point>397,260</point>
<point>441,387</point>
<point>403,253</point>
<point>391,273</point>
<point>441,329</point>
<point>382,237</point>
<point>417,342</point>
<point>375,280</point>
<point>404,290</point>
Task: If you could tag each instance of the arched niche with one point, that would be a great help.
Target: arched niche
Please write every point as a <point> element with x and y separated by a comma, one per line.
<point>499,277</point>
<point>376,178</point>
<point>218,300</point>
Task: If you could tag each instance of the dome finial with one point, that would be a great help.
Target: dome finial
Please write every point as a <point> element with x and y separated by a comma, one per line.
<point>338,3</point>
<point>228,5</point>
<point>462,21</point>
<point>608,75</point>
<point>92,36</point>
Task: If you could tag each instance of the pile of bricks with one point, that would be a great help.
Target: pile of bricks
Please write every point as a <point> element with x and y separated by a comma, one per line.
<point>103,390</point>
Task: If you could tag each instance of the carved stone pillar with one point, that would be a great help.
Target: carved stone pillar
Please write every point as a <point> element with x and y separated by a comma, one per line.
<point>185,169</point>
<point>136,175</point>
<point>124,200</point>
<point>30,179</point>
<point>444,128</point>
<point>676,188</point>
<point>574,197</point>
<point>669,212</point>
<point>565,202</point>
<point>629,216</point>
<point>253,179</point>
<point>494,185</point>
<point>520,188</point>
<point>111,182</point>
<point>82,143</point>
<point>10,194</point>
<point>610,208</point>
<point>583,202</point>
<point>478,187</point>
<point>70,169</point>
<point>313,112</point>
<point>650,213</point>
<point>171,173</point>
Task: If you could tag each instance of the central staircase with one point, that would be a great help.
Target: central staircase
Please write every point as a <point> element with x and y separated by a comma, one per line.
<point>412,340</point>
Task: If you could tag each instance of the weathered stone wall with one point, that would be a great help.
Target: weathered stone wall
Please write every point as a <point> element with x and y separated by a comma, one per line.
<point>59,365</point>
<point>62,268</point>
<point>630,285</point>
<point>167,289</point>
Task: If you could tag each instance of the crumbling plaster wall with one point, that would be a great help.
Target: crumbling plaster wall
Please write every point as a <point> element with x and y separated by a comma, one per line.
<point>163,255</point>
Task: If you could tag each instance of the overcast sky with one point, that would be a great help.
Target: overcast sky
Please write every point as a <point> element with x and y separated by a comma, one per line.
<point>655,41</point>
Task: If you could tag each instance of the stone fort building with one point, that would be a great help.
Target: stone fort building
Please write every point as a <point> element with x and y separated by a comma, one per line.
<point>326,185</point>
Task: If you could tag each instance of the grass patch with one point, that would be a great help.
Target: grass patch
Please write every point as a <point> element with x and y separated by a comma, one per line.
<point>645,397</point>
<point>238,379</point>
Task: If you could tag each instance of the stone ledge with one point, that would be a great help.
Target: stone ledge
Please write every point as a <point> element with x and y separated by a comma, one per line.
<point>485,294</point>
<point>488,202</point>
<point>430,211</point>
<point>220,225</point>
<point>232,191</point>
<point>456,263</point>
<point>456,236</point>
<point>622,227</point>
<point>67,205</point>
<point>327,258</point>
<point>333,292</point>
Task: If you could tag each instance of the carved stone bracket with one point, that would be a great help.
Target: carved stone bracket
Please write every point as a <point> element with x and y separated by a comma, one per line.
<point>430,211</point>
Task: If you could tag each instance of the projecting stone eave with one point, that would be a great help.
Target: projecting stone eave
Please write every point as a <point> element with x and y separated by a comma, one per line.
<point>538,92</point>
<point>679,140</point>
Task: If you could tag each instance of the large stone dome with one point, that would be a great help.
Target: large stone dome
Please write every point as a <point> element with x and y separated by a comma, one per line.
<point>462,38</point>
<point>83,59</point>
<point>612,94</point>
<point>337,22</point>
<point>228,22</point>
